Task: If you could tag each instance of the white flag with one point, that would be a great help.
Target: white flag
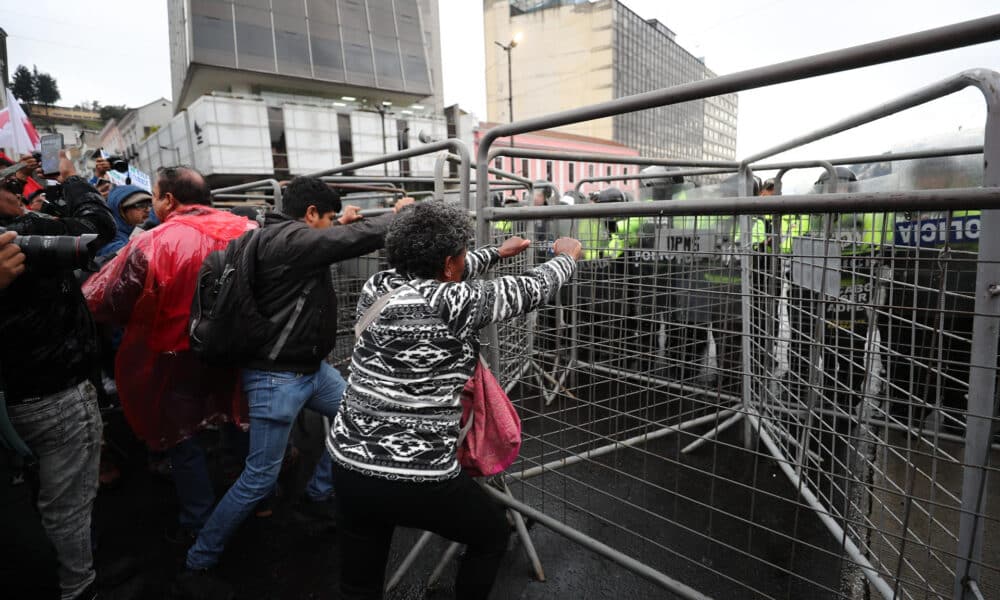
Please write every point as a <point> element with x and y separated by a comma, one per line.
<point>16,131</point>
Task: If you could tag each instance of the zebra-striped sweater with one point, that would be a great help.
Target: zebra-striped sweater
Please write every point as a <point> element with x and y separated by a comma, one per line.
<point>400,413</point>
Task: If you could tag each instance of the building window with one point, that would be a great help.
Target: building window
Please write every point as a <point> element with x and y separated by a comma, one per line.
<point>590,170</point>
<point>572,172</point>
<point>609,170</point>
<point>498,162</point>
<point>548,170</point>
<point>624,171</point>
<point>403,143</point>
<point>212,32</point>
<point>525,170</point>
<point>254,39</point>
<point>276,126</point>
<point>346,147</point>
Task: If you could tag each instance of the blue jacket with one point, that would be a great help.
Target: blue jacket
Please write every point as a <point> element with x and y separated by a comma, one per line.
<point>115,199</point>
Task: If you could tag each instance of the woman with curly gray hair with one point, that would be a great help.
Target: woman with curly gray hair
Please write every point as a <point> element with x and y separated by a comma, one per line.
<point>394,439</point>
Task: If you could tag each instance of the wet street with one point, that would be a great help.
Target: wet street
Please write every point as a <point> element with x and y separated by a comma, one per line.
<point>282,557</point>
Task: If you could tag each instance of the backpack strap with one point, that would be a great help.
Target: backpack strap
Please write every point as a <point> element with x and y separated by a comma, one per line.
<point>290,323</point>
<point>373,311</point>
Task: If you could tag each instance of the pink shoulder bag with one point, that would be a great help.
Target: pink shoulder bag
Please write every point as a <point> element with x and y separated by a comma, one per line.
<point>490,437</point>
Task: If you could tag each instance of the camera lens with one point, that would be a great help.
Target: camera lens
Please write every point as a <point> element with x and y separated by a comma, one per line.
<point>56,251</point>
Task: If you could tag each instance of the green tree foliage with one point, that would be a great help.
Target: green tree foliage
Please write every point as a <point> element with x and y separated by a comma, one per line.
<point>47,89</point>
<point>113,112</point>
<point>24,84</point>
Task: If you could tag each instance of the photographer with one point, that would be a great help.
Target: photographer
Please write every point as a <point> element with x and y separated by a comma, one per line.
<point>50,351</point>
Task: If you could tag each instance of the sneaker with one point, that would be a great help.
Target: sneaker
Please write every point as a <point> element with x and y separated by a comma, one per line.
<point>201,584</point>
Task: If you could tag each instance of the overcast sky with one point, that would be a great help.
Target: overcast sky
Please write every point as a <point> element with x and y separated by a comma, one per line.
<point>116,52</point>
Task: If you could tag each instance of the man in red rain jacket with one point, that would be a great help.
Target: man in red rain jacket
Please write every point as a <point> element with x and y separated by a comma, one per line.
<point>168,394</point>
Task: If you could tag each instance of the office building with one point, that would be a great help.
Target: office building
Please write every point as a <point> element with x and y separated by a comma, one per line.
<point>574,53</point>
<point>379,49</point>
<point>285,87</point>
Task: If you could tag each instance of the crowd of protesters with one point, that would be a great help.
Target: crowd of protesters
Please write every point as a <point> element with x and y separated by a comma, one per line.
<point>119,326</point>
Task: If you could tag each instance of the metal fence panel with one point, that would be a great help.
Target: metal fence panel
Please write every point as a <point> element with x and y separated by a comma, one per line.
<point>860,343</point>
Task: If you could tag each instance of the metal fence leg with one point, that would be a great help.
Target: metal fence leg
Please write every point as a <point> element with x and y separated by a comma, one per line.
<point>712,433</point>
<point>522,532</point>
<point>408,561</point>
<point>446,557</point>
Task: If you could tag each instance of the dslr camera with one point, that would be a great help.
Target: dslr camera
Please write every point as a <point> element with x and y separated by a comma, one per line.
<point>53,252</point>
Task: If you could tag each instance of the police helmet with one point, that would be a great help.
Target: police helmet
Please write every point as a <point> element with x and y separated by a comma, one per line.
<point>612,194</point>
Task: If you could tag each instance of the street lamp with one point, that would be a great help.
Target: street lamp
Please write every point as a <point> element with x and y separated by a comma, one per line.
<point>510,88</point>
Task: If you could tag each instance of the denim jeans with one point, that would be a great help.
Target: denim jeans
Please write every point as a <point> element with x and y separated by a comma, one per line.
<point>195,494</point>
<point>63,431</point>
<point>275,399</point>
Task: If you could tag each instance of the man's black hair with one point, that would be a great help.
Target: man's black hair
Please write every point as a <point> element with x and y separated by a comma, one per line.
<point>186,184</point>
<point>304,192</point>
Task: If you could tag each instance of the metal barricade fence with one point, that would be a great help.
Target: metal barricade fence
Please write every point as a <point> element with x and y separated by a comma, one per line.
<point>858,353</point>
<point>861,362</point>
<point>857,361</point>
<point>858,356</point>
<point>831,372</point>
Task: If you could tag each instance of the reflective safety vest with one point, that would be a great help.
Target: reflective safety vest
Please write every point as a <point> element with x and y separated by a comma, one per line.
<point>857,233</point>
<point>793,226</point>
<point>628,234</point>
<point>595,238</point>
<point>727,225</point>
<point>758,231</point>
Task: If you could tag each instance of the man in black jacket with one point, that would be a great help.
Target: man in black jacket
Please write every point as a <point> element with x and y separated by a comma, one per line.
<point>293,286</point>
<point>49,351</point>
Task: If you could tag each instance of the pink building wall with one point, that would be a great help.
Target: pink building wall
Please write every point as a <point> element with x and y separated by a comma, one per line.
<point>564,174</point>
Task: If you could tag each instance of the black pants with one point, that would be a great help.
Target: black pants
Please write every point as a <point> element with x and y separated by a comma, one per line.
<point>28,563</point>
<point>370,508</point>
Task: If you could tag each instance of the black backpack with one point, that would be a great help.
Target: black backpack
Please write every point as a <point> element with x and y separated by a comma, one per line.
<point>226,327</point>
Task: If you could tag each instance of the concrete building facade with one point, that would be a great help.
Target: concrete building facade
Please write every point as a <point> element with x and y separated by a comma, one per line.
<point>386,50</point>
<point>286,87</point>
<point>578,52</point>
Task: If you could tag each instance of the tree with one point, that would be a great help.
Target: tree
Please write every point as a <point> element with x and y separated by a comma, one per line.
<point>24,85</point>
<point>112,111</point>
<point>47,89</point>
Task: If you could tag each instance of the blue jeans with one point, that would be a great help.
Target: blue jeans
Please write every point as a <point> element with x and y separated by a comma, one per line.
<point>275,399</point>
<point>195,494</point>
<point>63,431</point>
